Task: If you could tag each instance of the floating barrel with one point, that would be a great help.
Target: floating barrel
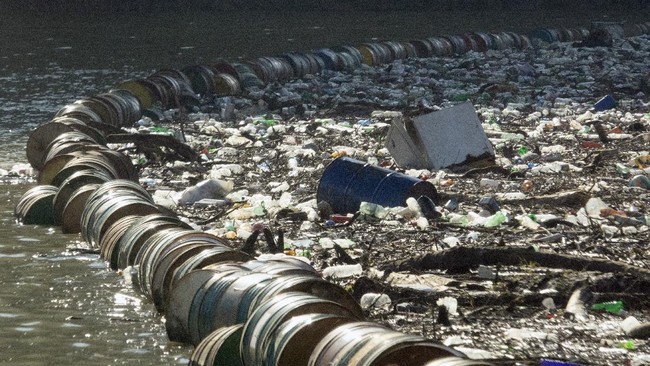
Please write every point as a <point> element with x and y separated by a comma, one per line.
<point>352,51</point>
<point>35,206</point>
<point>548,35</point>
<point>169,90</point>
<point>365,344</point>
<point>130,243</point>
<point>441,46</point>
<point>302,283</point>
<point>110,201</point>
<point>105,109</point>
<point>180,302</point>
<point>316,64</point>
<point>270,315</point>
<point>423,48</point>
<point>108,244</point>
<point>347,182</point>
<point>70,143</point>
<point>329,57</point>
<point>201,78</point>
<point>298,62</point>
<point>42,137</point>
<point>294,340</point>
<point>85,162</point>
<point>71,216</point>
<point>247,76</point>
<point>100,214</point>
<point>142,90</point>
<point>225,84</point>
<point>217,305</point>
<point>72,183</point>
<point>375,54</point>
<point>458,44</point>
<point>225,67</point>
<point>480,42</point>
<point>263,69</point>
<point>470,43</point>
<point>212,258</point>
<point>283,265</point>
<point>220,347</point>
<point>346,62</point>
<point>80,112</point>
<point>117,163</point>
<point>396,49</point>
<point>132,104</point>
<point>171,263</point>
<point>160,243</point>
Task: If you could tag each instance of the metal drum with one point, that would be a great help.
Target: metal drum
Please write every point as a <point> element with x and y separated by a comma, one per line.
<point>133,239</point>
<point>70,185</point>
<point>142,91</point>
<point>71,216</point>
<point>101,214</point>
<point>80,112</point>
<point>163,270</point>
<point>225,84</point>
<point>214,259</point>
<point>41,137</point>
<point>270,315</point>
<point>220,347</point>
<point>35,206</point>
<point>181,300</point>
<point>162,242</point>
<point>108,244</point>
<point>293,342</point>
<point>308,284</point>
<point>201,77</point>
<point>348,182</point>
<point>365,344</point>
<point>220,303</point>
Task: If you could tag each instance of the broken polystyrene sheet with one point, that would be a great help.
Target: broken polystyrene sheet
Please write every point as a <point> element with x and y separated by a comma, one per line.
<point>449,137</point>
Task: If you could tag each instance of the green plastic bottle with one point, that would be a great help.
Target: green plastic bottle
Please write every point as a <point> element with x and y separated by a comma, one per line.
<point>614,307</point>
<point>495,220</point>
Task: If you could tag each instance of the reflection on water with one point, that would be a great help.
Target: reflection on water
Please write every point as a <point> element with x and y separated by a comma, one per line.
<point>60,306</point>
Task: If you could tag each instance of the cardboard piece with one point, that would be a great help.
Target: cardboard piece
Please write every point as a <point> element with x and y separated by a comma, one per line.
<point>437,140</point>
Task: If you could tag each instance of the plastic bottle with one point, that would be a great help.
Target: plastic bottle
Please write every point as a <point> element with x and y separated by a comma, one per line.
<point>375,300</point>
<point>639,181</point>
<point>622,170</point>
<point>522,150</point>
<point>629,344</point>
<point>343,271</point>
<point>495,220</point>
<point>614,307</point>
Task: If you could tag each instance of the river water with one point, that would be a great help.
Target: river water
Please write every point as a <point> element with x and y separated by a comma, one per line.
<point>61,306</point>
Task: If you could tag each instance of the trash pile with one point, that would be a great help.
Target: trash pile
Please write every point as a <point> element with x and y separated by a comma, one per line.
<point>484,196</point>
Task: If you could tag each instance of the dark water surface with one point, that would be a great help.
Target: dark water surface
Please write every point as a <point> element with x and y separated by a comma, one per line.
<point>60,307</point>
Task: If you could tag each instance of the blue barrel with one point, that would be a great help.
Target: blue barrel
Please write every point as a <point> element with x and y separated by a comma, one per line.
<point>347,182</point>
